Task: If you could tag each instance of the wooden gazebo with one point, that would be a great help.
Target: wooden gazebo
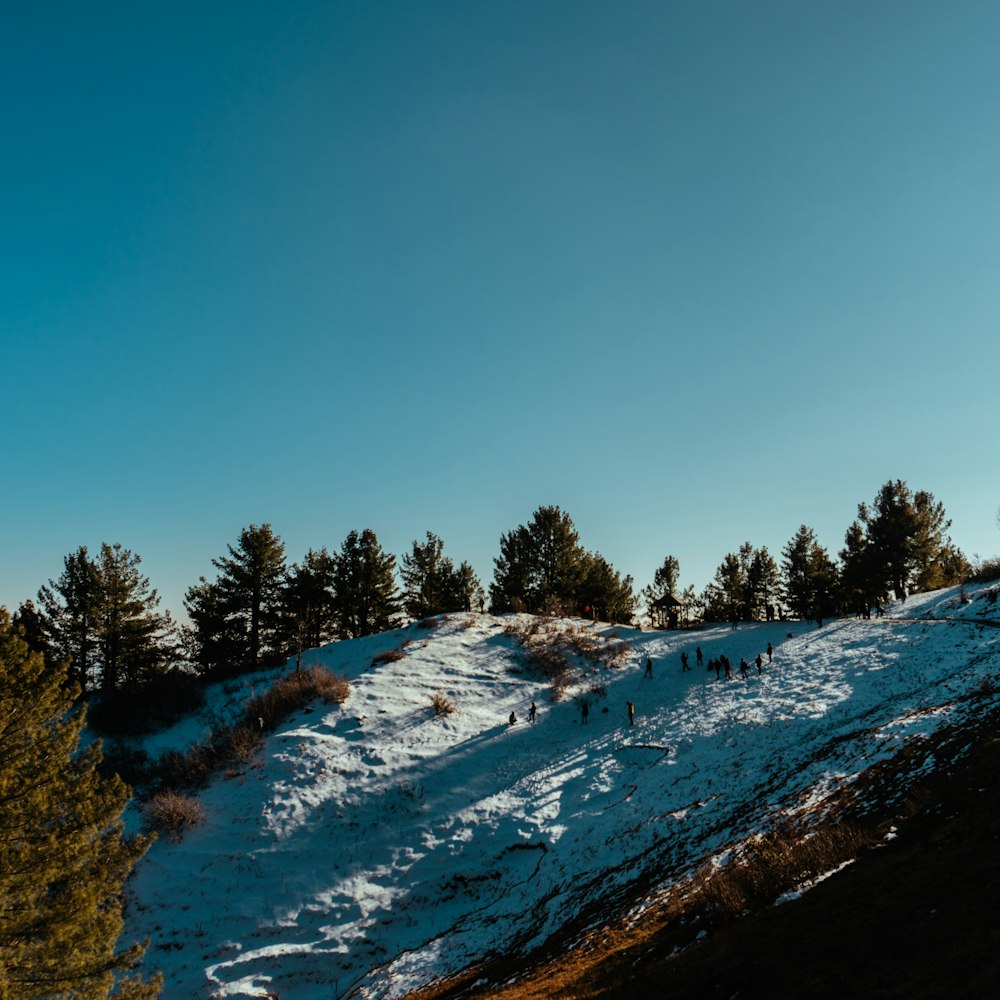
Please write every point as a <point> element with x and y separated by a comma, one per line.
<point>667,609</point>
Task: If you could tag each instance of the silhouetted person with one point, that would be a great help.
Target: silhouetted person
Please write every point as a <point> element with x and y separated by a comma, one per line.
<point>631,713</point>
<point>531,712</point>
<point>684,662</point>
<point>744,667</point>
<point>698,656</point>
<point>584,712</point>
<point>760,663</point>
<point>512,719</point>
<point>649,667</point>
<point>770,650</point>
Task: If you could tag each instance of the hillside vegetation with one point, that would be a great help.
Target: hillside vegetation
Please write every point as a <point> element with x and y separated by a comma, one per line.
<point>385,845</point>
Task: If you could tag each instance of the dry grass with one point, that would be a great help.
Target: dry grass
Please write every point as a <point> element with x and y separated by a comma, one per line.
<point>441,704</point>
<point>389,656</point>
<point>171,814</point>
<point>240,742</point>
<point>549,644</point>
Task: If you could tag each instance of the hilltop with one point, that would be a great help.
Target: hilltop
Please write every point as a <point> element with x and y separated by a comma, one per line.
<point>376,847</point>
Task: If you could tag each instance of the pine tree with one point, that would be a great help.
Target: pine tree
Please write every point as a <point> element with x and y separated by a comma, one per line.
<point>309,600</point>
<point>63,857</point>
<point>605,591</point>
<point>238,621</point>
<point>364,586</point>
<point>904,533</point>
<point>135,643</point>
<point>540,566</point>
<point>809,577</point>
<point>762,583</point>
<point>427,579</point>
<point>69,612</point>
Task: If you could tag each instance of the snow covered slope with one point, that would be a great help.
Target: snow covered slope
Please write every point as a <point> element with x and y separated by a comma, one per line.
<point>376,846</point>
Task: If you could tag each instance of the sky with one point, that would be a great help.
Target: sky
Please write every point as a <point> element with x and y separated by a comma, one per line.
<point>697,273</point>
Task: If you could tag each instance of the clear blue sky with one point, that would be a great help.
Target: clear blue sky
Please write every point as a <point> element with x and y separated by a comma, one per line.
<point>696,272</point>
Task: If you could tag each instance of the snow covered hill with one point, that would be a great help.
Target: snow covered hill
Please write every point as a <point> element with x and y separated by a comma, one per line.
<point>375,846</point>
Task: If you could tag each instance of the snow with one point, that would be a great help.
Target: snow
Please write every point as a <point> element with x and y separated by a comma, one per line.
<point>374,846</point>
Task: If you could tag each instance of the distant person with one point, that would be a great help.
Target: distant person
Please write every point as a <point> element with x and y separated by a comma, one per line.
<point>631,713</point>
<point>770,651</point>
<point>760,663</point>
<point>698,656</point>
<point>718,668</point>
<point>584,711</point>
<point>728,666</point>
<point>531,713</point>
<point>684,662</point>
<point>744,667</point>
<point>649,667</point>
<point>512,719</point>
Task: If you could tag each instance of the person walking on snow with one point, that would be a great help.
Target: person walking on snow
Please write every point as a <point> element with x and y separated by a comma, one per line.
<point>770,651</point>
<point>649,667</point>
<point>531,713</point>
<point>631,713</point>
<point>512,719</point>
<point>718,668</point>
<point>697,656</point>
<point>584,712</point>
<point>760,662</point>
<point>684,662</point>
<point>744,668</point>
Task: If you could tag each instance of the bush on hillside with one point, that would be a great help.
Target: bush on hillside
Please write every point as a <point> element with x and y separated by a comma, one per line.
<point>172,814</point>
<point>441,704</point>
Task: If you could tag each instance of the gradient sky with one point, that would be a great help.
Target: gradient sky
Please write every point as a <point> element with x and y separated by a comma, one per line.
<point>696,272</point>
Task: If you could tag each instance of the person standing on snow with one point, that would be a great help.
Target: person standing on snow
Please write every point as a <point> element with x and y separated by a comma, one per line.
<point>631,713</point>
<point>760,662</point>
<point>697,656</point>
<point>584,711</point>
<point>770,651</point>
<point>684,662</point>
<point>531,713</point>
<point>649,667</point>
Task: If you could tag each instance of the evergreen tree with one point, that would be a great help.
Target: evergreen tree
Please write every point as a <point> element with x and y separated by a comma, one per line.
<point>540,566</point>
<point>862,582</point>
<point>427,579</point>
<point>135,642</point>
<point>905,536</point>
<point>468,590</point>
<point>724,599</point>
<point>364,586</point>
<point>762,584</point>
<point>432,583</point>
<point>69,609</point>
<point>63,857</point>
<point>809,577</point>
<point>238,621</point>
<point>605,591</point>
<point>309,601</point>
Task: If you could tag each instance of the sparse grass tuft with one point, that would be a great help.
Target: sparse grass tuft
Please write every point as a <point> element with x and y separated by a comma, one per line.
<point>441,704</point>
<point>389,656</point>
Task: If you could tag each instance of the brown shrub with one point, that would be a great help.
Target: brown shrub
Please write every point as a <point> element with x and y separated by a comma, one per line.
<point>245,741</point>
<point>389,656</point>
<point>171,814</point>
<point>441,704</point>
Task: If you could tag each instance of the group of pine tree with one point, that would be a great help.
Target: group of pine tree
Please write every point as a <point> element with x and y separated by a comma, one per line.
<point>102,616</point>
<point>97,634</point>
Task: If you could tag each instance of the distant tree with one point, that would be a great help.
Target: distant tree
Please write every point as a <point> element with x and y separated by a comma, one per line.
<point>30,624</point>
<point>102,616</point>
<point>540,566</point>
<point>724,597</point>
<point>809,576</point>
<point>862,580</point>
<point>604,590</point>
<point>69,610</point>
<point>364,586</point>
<point>238,621</point>
<point>63,856</point>
<point>309,600</point>
<point>762,582</point>
<point>905,537</point>
<point>135,642</point>
<point>468,589</point>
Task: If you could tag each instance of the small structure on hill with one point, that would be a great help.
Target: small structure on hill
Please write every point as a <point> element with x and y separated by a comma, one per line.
<point>666,611</point>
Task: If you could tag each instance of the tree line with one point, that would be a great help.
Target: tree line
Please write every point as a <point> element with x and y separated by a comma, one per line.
<point>102,616</point>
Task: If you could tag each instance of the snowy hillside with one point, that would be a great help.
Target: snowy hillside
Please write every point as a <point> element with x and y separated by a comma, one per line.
<point>376,846</point>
